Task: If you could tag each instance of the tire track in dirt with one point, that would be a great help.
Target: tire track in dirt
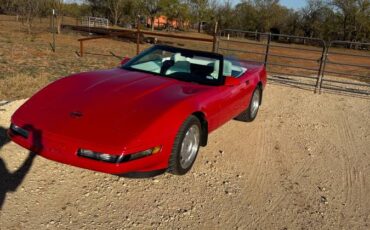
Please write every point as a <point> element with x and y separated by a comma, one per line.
<point>266,154</point>
<point>257,179</point>
<point>276,202</point>
<point>256,176</point>
<point>353,179</point>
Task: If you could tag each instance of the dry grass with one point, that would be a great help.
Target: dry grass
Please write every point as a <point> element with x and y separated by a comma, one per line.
<point>27,62</point>
<point>21,85</point>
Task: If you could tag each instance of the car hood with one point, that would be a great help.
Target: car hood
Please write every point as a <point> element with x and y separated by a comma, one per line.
<point>111,106</point>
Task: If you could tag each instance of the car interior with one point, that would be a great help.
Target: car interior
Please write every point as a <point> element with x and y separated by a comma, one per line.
<point>188,67</point>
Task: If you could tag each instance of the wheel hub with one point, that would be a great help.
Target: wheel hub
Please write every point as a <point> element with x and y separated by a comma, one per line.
<point>189,146</point>
<point>255,102</point>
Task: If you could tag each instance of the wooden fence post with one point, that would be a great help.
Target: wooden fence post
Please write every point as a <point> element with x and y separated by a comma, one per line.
<point>138,35</point>
<point>81,49</point>
<point>214,46</point>
<point>267,49</point>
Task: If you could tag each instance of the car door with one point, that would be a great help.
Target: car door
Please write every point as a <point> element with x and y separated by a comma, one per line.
<point>248,85</point>
<point>229,102</point>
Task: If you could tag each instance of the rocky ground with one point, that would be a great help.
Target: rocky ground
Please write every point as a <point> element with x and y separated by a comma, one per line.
<point>304,163</point>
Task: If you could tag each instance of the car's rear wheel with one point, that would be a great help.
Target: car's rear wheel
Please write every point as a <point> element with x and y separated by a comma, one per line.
<point>186,147</point>
<point>250,113</point>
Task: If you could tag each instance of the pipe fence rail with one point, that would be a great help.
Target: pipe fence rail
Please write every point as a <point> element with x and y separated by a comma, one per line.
<point>303,61</point>
<point>340,75</point>
<point>288,59</point>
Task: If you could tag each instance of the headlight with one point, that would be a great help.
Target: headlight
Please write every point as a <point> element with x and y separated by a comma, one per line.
<point>141,154</point>
<point>117,158</point>
<point>19,131</point>
<point>97,156</point>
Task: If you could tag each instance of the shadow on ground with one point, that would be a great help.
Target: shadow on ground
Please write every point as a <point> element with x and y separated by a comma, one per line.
<point>9,181</point>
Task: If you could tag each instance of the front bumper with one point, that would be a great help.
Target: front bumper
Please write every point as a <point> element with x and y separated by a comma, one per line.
<point>66,151</point>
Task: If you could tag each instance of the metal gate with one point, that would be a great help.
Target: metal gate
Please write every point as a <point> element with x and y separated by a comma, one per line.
<point>289,60</point>
<point>347,68</point>
<point>311,63</point>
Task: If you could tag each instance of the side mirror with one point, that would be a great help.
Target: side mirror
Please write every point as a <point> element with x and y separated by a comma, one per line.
<point>231,81</point>
<point>124,60</point>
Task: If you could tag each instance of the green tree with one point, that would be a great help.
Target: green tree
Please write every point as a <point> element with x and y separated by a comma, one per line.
<point>175,10</point>
<point>98,8</point>
<point>245,16</point>
<point>362,19</point>
<point>314,16</point>
<point>270,15</point>
<point>7,6</point>
<point>347,10</point>
<point>200,10</point>
<point>151,9</point>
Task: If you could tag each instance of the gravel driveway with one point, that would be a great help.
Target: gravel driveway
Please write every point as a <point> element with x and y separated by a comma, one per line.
<point>303,164</point>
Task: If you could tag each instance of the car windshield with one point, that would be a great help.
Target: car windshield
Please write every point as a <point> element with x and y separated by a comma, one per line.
<point>180,64</point>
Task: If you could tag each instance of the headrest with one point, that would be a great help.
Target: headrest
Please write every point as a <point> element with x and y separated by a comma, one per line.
<point>216,66</point>
<point>227,68</point>
<point>177,57</point>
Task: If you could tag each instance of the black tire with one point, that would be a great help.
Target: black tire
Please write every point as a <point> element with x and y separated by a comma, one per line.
<point>174,164</point>
<point>247,115</point>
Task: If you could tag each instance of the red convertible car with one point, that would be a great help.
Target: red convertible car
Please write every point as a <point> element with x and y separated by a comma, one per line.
<point>151,113</point>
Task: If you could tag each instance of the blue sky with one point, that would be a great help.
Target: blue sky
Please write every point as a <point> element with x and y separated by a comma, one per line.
<point>295,4</point>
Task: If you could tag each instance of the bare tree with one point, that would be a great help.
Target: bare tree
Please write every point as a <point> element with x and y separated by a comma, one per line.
<point>116,9</point>
<point>28,9</point>
<point>58,5</point>
<point>200,10</point>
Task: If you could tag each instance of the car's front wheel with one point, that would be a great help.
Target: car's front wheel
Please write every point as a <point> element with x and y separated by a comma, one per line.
<point>186,146</point>
<point>251,112</point>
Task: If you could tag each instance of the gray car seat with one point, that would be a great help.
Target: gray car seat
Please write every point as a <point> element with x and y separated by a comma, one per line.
<point>181,64</point>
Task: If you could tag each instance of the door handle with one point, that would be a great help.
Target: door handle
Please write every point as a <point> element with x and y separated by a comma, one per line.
<point>247,82</point>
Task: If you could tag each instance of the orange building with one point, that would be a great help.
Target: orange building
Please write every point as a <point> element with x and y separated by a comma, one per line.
<point>163,22</point>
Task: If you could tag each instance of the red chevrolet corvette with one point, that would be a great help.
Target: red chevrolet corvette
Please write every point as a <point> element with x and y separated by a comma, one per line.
<point>151,113</point>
